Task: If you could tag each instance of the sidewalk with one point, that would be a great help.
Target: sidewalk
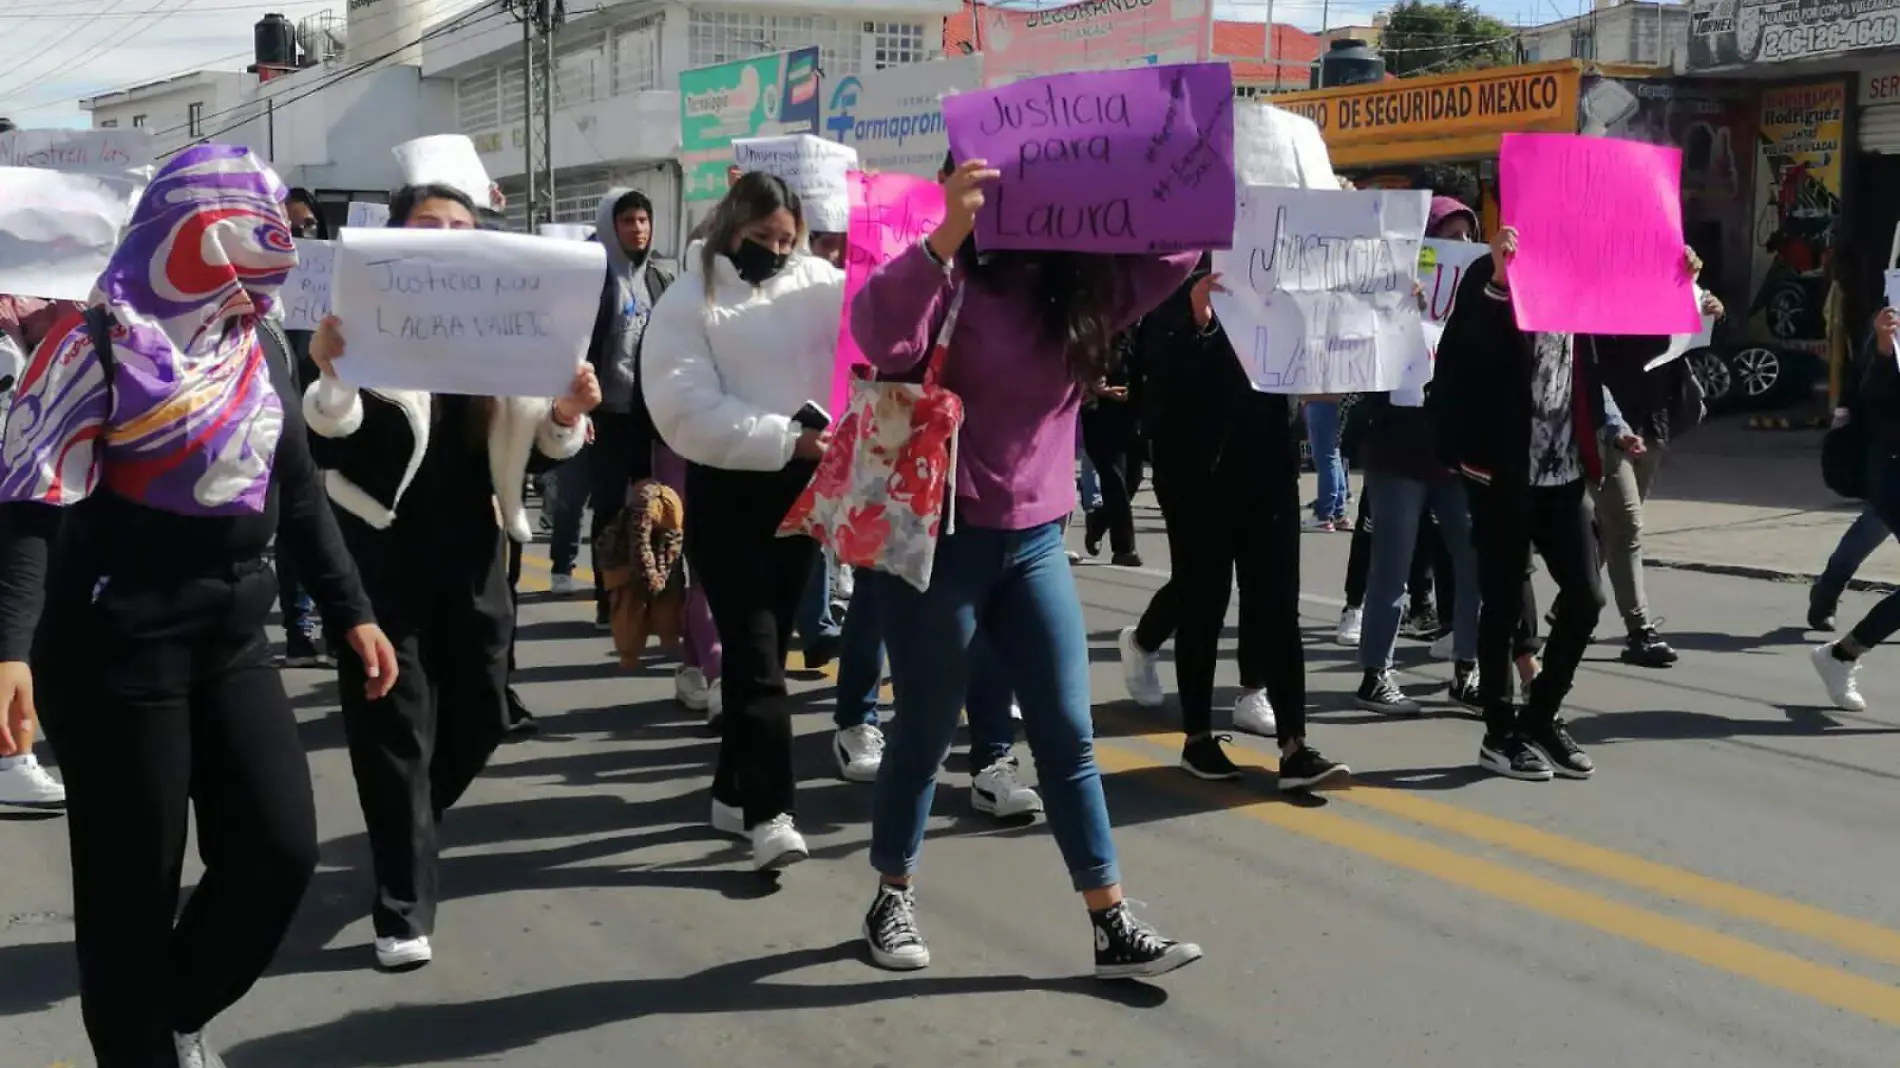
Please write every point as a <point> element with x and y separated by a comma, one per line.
<point>1747,502</point>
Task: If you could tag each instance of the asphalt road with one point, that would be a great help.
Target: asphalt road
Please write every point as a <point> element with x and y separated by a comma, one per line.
<point>1720,894</point>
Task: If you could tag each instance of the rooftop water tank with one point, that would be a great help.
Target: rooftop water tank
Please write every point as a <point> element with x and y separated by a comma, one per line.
<point>276,42</point>
<point>1349,61</point>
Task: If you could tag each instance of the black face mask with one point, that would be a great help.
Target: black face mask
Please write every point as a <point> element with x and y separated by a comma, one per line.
<point>756,263</point>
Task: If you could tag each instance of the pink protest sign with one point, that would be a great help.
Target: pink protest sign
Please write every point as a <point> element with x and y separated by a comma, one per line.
<point>889,213</point>
<point>1599,235</point>
<point>1135,160</point>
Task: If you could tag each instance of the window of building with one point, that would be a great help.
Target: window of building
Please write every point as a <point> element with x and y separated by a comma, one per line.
<point>637,57</point>
<point>580,70</point>
<point>138,122</point>
<point>195,119</point>
<point>478,101</point>
<point>514,94</point>
<point>1645,40</point>
<point>108,124</point>
<point>894,43</point>
<point>715,37</point>
<point>1583,44</point>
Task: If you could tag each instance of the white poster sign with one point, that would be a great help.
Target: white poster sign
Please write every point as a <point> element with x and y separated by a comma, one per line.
<point>111,153</point>
<point>58,229</point>
<point>446,159</point>
<point>1682,344</point>
<point>813,167</point>
<point>305,298</point>
<point>566,231</point>
<point>1273,146</point>
<point>1441,269</point>
<point>894,117</point>
<point>1320,290</point>
<point>476,312</point>
<point>364,214</point>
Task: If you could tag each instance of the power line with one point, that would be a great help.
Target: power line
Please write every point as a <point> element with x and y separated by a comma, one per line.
<point>52,12</point>
<point>111,41</point>
<point>39,49</point>
<point>62,100</point>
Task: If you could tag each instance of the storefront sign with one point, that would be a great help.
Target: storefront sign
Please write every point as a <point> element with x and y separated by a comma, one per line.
<point>1093,35</point>
<point>1725,33</point>
<point>1879,86</point>
<point>1520,98</point>
<point>766,96</point>
<point>1798,203</point>
<point>894,117</point>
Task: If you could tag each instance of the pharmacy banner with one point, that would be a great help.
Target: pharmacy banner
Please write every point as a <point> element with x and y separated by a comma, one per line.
<point>766,96</point>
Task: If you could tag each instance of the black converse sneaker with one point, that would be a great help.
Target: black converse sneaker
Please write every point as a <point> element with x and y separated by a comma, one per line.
<point>1379,692</point>
<point>1305,769</point>
<point>1126,948</point>
<point>1203,758</point>
<point>1512,757</point>
<point>1646,648</point>
<point>891,931</point>
<point>1560,750</point>
<point>1464,685</point>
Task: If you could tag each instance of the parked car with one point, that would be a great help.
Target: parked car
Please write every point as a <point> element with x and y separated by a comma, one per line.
<point>1752,376</point>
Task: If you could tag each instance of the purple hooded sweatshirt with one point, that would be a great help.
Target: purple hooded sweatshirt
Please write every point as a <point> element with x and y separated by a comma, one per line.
<point>1016,454</point>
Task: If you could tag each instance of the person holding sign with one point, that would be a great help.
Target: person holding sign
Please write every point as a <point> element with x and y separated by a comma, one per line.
<point>427,488</point>
<point>1524,419</point>
<point>155,450</point>
<point>1033,333</point>
<point>735,357</point>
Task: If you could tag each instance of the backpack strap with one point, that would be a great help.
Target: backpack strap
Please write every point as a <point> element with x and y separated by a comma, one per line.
<point>276,345</point>
<point>99,328</point>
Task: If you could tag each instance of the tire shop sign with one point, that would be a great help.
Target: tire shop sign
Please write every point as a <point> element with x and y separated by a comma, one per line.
<point>1727,33</point>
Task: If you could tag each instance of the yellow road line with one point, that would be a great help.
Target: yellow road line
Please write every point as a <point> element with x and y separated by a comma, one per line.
<point>1773,968</point>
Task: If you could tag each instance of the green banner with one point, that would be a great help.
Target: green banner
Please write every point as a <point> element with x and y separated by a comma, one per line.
<point>765,96</point>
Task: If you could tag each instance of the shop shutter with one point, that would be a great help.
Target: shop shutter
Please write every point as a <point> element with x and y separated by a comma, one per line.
<point>1880,129</point>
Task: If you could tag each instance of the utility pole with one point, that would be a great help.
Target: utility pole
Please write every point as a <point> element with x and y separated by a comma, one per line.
<point>540,21</point>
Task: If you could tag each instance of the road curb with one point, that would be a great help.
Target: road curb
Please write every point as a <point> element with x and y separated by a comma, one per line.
<point>1767,574</point>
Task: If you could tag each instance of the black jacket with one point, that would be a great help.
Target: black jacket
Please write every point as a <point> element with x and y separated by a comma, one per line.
<point>658,280</point>
<point>1661,404</point>
<point>1480,397</point>
<point>1870,392</point>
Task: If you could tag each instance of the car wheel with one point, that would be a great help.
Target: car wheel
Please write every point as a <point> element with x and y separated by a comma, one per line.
<point>1718,382</point>
<point>1758,373</point>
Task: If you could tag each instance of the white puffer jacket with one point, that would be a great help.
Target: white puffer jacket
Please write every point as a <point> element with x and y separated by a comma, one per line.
<point>723,379</point>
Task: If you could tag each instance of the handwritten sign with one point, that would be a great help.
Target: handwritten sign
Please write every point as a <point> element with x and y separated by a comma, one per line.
<point>363,215</point>
<point>446,159</point>
<point>477,312</point>
<point>567,231</point>
<point>1104,161</point>
<point>58,229</point>
<point>1892,288</point>
<point>1599,235</point>
<point>813,167</point>
<point>305,298</point>
<point>1441,269</point>
<point>889,214</point>
<point>1681,345</point>
<point>1320,296</point>
<point>1273,146</point>
<point>112,153</point>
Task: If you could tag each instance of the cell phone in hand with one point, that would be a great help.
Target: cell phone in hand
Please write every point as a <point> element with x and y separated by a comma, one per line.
<point>812,417</point>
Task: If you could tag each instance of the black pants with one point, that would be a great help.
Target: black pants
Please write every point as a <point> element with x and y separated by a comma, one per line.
<point>1235,523</point>
<point>1429,560</point>
<point>1109,436</point>
<point>415,751</point>
<point>753,581</point>
<point>1506,524</point>
<point>160,699</point>
<point>620,455</point>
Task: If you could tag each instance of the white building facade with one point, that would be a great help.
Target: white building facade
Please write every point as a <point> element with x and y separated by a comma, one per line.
<point>1637,32</point>
<point>178,111</point>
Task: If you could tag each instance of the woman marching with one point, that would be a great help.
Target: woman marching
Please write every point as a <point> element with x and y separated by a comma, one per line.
<point>733,352</point>
<point>427,489</point>
<point>1025,334</point>
<point>150,453</point>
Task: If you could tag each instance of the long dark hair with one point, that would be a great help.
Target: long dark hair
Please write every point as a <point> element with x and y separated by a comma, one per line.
<point>754,196</point>
<point>300,195</point>
<point>405,200</point>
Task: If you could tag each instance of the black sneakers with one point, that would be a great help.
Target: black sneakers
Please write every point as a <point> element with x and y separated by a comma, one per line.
<point>1379,692</point>
<point>1203,758</point>
<point>1306,769</point>
<point>1646,648</point>
<point>1421,623</point>
<point>1126,948</point>
<point>891,931</point>
<point>1820,610</point>
<point>1513,757</point>
<point>1464,685</point>
<point>1560,750</point>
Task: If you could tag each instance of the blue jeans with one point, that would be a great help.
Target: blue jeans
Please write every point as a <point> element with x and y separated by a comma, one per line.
<point>1857,543</point>
<point>1089,485</point>
<point>1396,504</point>
<point>861,667</point>
<point>814,622</point>
<point>568,487</point>
<point>299,611</point>
<point>1883,478</point>
<point>1018,587</point>
<point>1322,435</point>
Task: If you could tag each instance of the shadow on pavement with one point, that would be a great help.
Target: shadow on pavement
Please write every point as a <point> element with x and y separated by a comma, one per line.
<point>430,1034</point>
<point>35,976</point>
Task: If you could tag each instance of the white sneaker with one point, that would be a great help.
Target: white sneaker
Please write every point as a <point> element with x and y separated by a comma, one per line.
<point>193,1053</point>
<point>997,791</point>
<point>777,844</point>
<point>403,954</point>
<point>1445,647</point>
<point>561,585</point>
<point>1015,711</point>
<point>859,750</point>
<point>24,784</point>
<point>1138,671</point>
<point>1350,622</point>
<point>727,819</point>
<point>1839,676</point>
<point>715,705</point>
<point>1253,713</point>
<point>691,689</point>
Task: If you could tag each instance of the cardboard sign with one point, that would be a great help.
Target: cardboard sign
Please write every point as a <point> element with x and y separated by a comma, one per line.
<point>1320,290</point>
<point>1129,161</point>
<point>476,312</point>
<point>1273,146</point>
<point>305,298</point>
<point>813,167</point>
<point>889,214</point>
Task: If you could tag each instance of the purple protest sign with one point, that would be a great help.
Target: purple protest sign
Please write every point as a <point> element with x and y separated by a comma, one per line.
<point>1138,160</point>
